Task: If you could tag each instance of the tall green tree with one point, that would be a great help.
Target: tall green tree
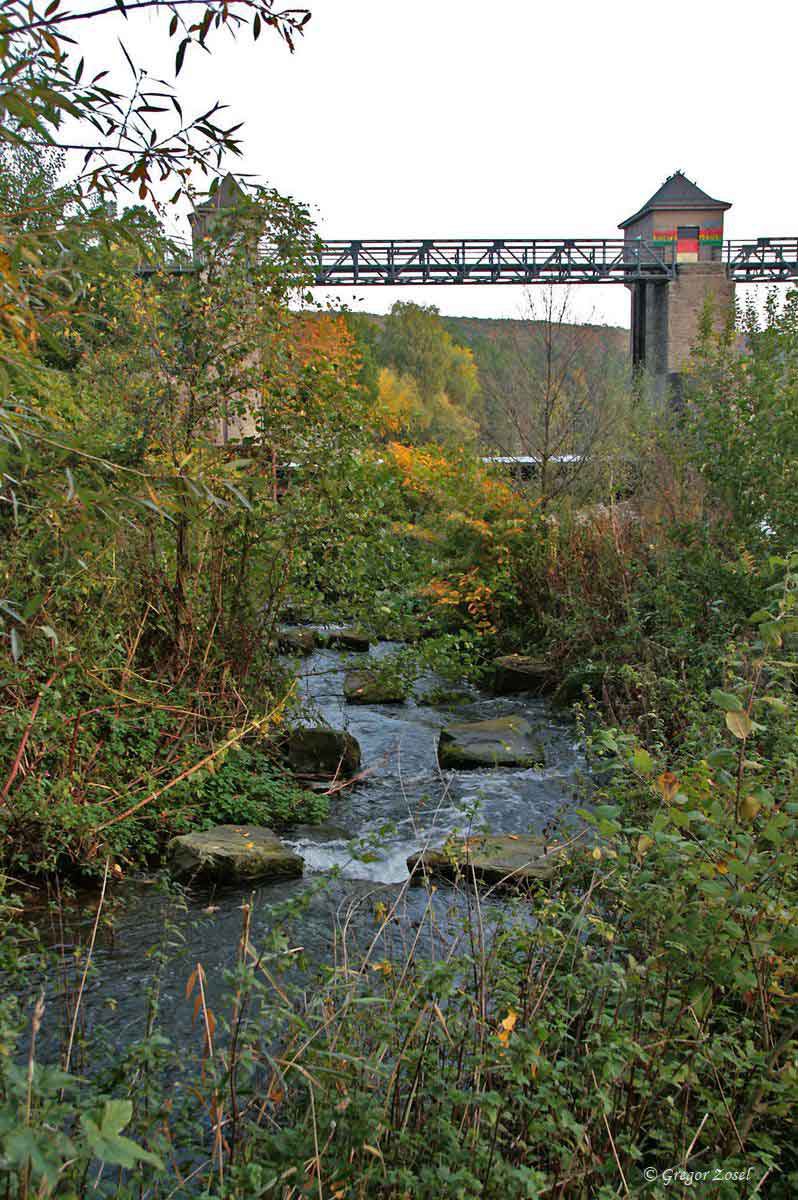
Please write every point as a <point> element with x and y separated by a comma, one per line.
<point>415,345</point>
<point>742,413</point>
<point>199,354</point>
<point>131,138</point>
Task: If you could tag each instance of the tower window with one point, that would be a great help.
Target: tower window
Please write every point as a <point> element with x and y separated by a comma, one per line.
<point>687,243</point>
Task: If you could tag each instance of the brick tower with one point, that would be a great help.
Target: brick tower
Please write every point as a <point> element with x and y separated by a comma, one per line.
<point>206,216</point>
<point>686,225</point>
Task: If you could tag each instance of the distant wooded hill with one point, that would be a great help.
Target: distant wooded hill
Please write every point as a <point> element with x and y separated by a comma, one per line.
<point>472,331</point>
<point>498,397</point>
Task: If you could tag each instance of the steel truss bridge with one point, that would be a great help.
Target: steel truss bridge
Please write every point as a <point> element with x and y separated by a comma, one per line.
<point>536,260</point>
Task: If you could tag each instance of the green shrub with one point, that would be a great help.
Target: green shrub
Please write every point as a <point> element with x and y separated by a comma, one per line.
<point>249,789</point>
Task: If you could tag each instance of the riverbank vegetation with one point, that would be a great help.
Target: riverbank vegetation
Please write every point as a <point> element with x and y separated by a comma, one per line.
<point>192,459</point>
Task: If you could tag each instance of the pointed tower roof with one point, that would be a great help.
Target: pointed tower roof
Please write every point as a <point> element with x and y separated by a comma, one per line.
<point>677,194</point>
<point>227,194</point>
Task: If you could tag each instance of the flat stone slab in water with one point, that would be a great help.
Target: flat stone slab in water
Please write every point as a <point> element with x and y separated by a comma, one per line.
<point>233,854</point>
<point>296,641</point>
<point>506,860</point>
<point>520,673</point>
<point>366,687</point>
<point>501,742</point>
<point>323,752</point>
<point>348,639</point>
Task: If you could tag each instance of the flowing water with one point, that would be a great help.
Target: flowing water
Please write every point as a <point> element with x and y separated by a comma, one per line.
<point>357,858</point>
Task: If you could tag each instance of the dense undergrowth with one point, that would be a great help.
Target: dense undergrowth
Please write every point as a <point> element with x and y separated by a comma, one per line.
<point>637,1036</point>
<point>622,1030</point>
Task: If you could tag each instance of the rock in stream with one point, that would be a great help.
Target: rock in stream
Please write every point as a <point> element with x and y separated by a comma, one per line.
<point>347,639</point>
<point>507,861</point>
<point>366,687</point>
<point>500,742</point>
<point>520,673</point>
<point>319,751</point>
<point>233,854</point>
<point>296,641</point>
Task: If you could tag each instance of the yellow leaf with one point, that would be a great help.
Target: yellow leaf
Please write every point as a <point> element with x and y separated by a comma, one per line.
<point>668,785</point>
<point>644,844</point>
<point>738,723</point>
<point>749,808</point>
<point>507,1026</point>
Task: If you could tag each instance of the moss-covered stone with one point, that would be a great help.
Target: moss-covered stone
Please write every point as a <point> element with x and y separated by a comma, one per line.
<point>520,673</point>
<point>296,641</point>
<point>322,751</point>
<point>233,854</point>
<point>506,861</point>
<point>366,687</point>
<point>500,742</point>
<point>348,639</point>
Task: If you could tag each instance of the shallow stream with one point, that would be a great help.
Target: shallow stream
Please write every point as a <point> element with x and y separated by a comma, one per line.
<point>404,803</point>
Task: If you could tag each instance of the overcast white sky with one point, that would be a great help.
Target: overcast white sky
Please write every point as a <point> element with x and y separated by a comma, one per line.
<point>448,118</point>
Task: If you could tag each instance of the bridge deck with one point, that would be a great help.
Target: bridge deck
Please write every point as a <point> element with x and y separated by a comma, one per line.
<point>565,260</point>
<point>474,260</point>
<point>394,262</point>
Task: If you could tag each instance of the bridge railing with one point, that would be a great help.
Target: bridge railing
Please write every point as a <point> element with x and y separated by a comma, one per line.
<point>356,263</point>
<point>494,260</point>
<point>762,260</point>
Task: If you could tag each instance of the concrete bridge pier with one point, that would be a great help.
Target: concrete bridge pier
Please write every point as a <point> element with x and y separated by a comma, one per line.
<point>687,226</point>
<point>666,318</point>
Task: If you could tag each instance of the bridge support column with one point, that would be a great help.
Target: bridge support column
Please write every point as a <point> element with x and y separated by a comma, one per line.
<point>650,328</point>
<point>666,318</point>
<point>638,325</point>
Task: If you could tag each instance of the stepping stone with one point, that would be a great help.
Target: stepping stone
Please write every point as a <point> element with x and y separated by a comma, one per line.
<point>322,751</point>
<point>501,742</point>
<point>296,641</point>
<point>233,854</point>
<point>508,861</point>
<point>520,673</point>
<point>366,687</point>
<point>348,639</point>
